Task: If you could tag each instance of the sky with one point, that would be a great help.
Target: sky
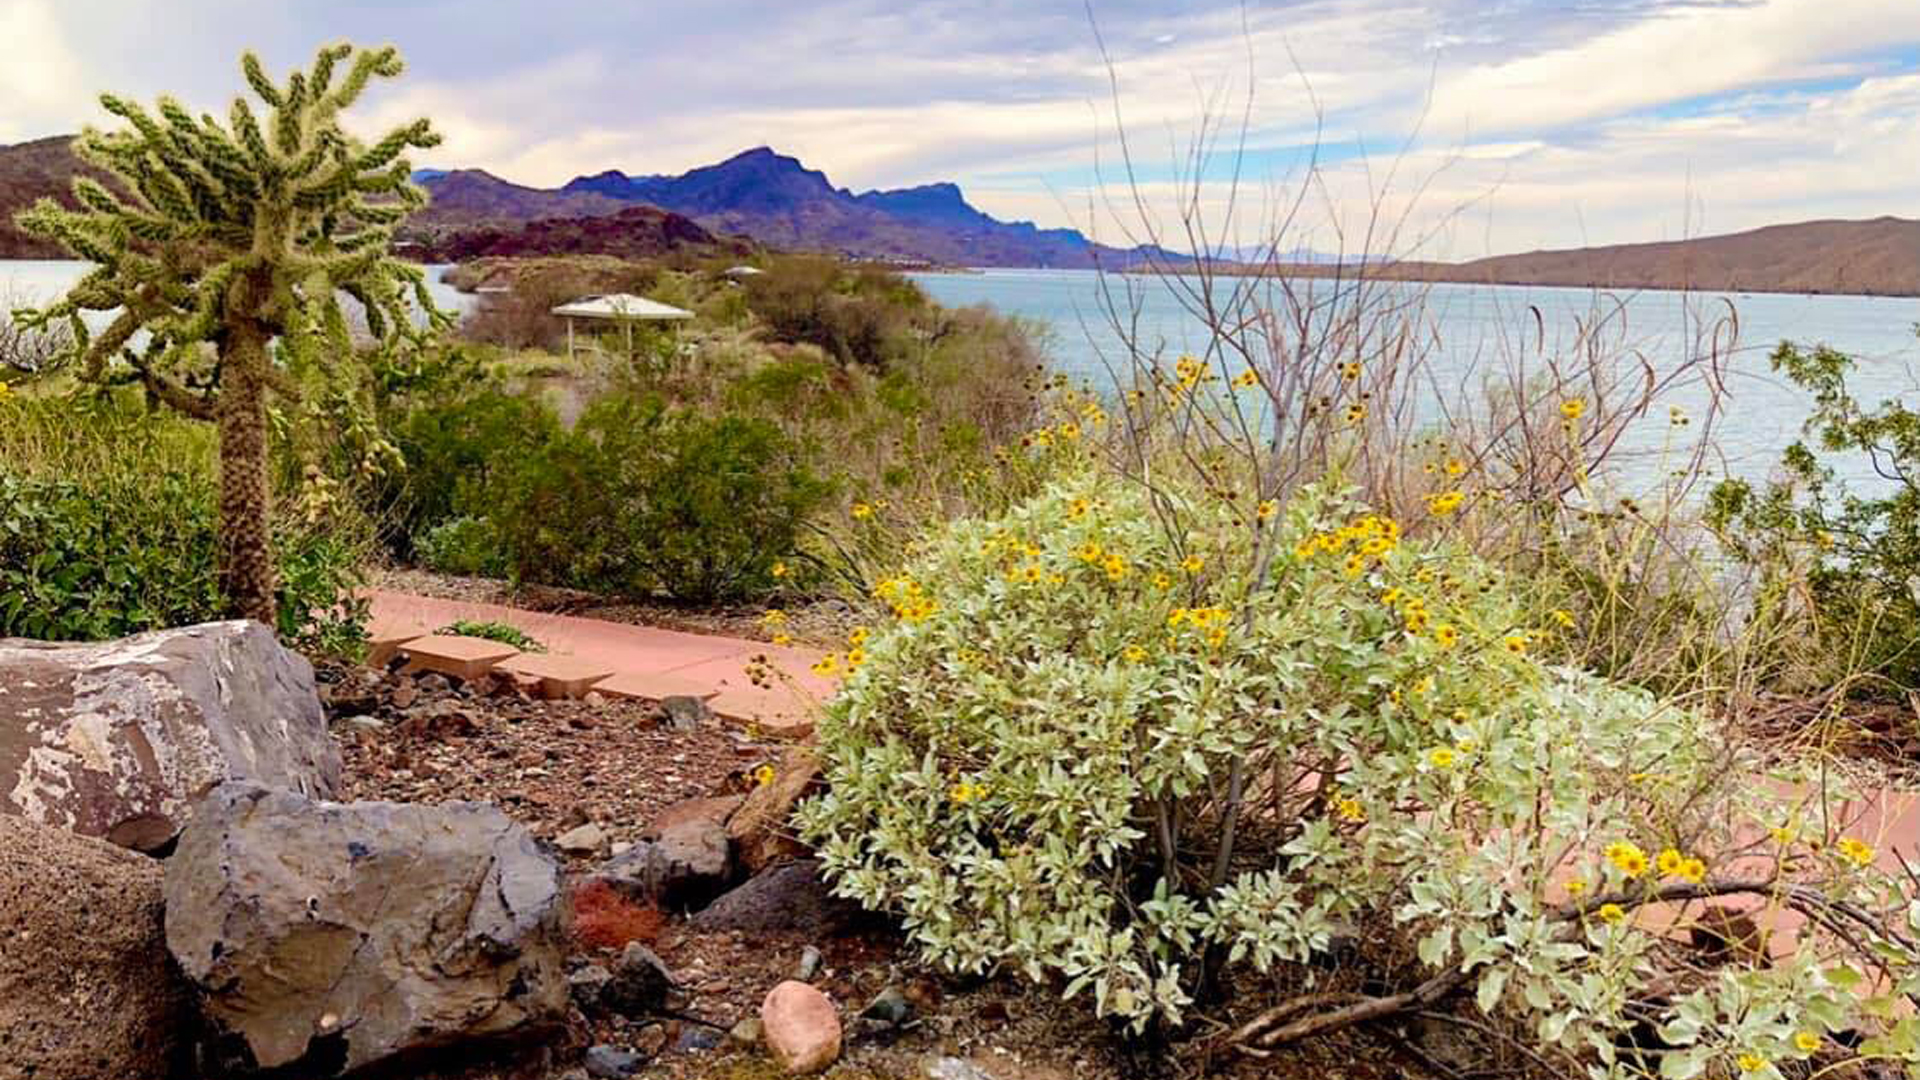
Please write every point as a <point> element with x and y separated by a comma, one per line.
<point>1431,128</point>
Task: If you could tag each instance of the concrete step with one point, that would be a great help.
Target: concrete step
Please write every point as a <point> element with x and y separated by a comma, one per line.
<point>556,677</point>
<point>456,655</point>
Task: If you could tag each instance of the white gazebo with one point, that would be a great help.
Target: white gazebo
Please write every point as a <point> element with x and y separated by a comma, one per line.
<point>624,308</point>
<point>739,273</point>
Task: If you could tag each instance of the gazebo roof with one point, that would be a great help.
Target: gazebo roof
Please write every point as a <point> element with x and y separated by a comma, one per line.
<point>744,271</point>
<point>621,306</point>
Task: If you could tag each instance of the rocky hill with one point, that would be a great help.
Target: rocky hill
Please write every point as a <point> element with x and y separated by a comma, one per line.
<point>29,170</point>
<point>630,232</point>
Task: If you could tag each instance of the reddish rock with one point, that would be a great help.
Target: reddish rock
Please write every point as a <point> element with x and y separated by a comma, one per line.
<point>801,1028</point>
<point>760,829</point>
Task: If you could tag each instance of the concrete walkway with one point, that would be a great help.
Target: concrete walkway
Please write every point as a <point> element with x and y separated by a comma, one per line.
<point>634,661</point>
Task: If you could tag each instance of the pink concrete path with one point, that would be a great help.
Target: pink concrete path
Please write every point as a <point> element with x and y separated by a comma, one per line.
<point>658,663</point>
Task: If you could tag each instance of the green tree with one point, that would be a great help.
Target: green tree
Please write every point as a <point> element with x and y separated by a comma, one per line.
<point>223,252</point>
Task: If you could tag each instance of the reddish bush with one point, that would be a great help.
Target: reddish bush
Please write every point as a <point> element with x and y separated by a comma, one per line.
<point>604,919</point>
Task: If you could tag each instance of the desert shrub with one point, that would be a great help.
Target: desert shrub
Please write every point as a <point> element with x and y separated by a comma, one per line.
<point>859,315</point>
<point>637,497</point>
<point>1108,755</point>
<point>1852,554</point>
<point>106,557</point>
<point>463,545</point>
<point>453,440</point>
<point>108,524</point>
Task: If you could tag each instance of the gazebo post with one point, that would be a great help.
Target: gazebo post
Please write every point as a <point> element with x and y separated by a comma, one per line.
<point>569,339</point>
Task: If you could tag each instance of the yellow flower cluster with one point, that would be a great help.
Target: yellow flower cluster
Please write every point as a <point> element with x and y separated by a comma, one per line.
<point>1349,809</point>
<point>1189,373</point>
<point>763,775</point>
<point>1246,380</point>
<point>1209,622</point>
<point>1445,503</point>
<point>862,511</point>
<point>1627,857</point>
<point>966,791</point>
<point>1573,408</point>
<point>1672,864</point>
<point>907,599</point>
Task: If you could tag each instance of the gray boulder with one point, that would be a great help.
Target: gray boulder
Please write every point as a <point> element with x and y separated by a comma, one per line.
<point>117,739</point>
<point>683,860</point>
<point>86,989</point>
<point>334,935</point>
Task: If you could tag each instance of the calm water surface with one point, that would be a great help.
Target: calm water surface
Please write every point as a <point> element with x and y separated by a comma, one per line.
<point>1474,330</point>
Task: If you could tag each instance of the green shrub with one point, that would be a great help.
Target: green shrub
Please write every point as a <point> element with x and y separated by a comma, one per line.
<point>1094,751</point>
<point>464,545</point>
<point>82,561</point>
<point>505,633</point>
<point>860,315</point>
<point>1854,554</point>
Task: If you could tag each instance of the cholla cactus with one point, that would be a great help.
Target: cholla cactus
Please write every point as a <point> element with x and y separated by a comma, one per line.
<point>218,243</point>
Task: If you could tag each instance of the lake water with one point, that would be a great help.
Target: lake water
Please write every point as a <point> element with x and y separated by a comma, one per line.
<point>1474,330</point>
<point>1470,330</point>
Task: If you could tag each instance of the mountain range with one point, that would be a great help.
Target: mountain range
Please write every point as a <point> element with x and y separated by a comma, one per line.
<point>776,201</point>
<point>768,199</point>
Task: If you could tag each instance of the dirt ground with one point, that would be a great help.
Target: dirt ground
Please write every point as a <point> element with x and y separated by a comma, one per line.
<point>556,765</point>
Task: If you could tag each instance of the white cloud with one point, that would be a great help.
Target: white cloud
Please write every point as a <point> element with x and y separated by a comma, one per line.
<point>41,77</point>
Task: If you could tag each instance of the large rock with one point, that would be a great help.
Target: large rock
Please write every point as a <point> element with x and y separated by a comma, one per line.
<point>86,989</point>
<point>683,860</point>
<point>760,830</point>
<point>117,739</point>
<point>791,898</point>
<point>334,935</point>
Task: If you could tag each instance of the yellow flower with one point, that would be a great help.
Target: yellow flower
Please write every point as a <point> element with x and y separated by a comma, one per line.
<point>1455,467</point>
<point>1192,564</point>
<point>1668,862</point>
<point>1750,1062</point>
<point>1355,565</point>
<point>1217,636</point>
<point>1861,854</point>
<point>1069,431</point>
<point>827,665</point>
<point>1350,369</point>
<point>1445,635</point>
<point>965,792</point>
<point>763,775</point>
<point>1116,567</point>
<point>1350,809</point>
<point>1078,509</point>
<point>1693,870</point>
<point>1416,619</point>
<point>1573,408</point>
<point>773,617</point>
<point>1516,643</point>
<point>1611,913</point>
<point>1162,581</point>
<point>858,637</point>
<point>6,391</point>
<point>1576,887</point>
<point>1440,757</point>
<point>783,639</point>
<point>1562,616</point>
<point>1628,857</point>
<point>862,511</point>
<point>856,657</point>
<point>1247,379</point>
<point>1356,412</point>
<point>779,570</point>
<point>1134,654</point>
<point>1445,503</point>
<point>1806,1042</point>
<point>1267,510</point>
<point>1088,552</point>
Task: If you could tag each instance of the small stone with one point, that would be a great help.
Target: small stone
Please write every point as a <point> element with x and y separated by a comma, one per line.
<point>365,723</point>
<point>587,985</point>
<point>890,1006</point>
<point>611,1063</point>
<point>693,1040</point>
<point>953,1068</point>
<point>594,700</point>
<point>404,695</point>
<point>433,683</point>
<point>651,1040</point>
<point>746,1032</point>
<point>583,840</point>
<point>619,848</point>
<point>810,961</point>
<point>685,712</point>
<point>801,1028</point>
<point>641,983</point>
